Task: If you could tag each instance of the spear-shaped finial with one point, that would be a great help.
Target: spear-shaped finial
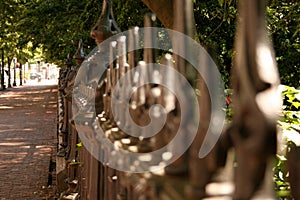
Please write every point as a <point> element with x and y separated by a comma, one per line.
<point>79,54</point>
<point>68,62</point>
<point>106,25</point>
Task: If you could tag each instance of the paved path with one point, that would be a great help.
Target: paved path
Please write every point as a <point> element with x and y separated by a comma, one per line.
<point>27,140</point>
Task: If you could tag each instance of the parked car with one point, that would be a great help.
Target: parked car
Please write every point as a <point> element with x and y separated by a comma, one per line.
<point>35,75</point>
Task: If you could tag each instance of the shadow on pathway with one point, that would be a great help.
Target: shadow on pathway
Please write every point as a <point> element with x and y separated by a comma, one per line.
<point>27,141</point>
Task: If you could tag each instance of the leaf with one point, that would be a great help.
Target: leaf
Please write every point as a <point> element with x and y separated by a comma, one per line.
<point>296,104</point>
<point>297,96</point>
<point>228,20</point>
<point>283,193</point>
<point>280,183</point>
<point>221,2</point>
<point>79,144</point>
<point>74,163</point>
<point>284,125</point>
<point>290,97</point>
<point>282,158</point>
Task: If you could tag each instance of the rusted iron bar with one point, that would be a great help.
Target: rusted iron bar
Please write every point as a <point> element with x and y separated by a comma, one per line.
<point>106,25</point>
<point>255,83</point>
<point>133,44</point>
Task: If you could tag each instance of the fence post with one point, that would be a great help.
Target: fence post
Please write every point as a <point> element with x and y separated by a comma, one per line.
<point>255,84</point>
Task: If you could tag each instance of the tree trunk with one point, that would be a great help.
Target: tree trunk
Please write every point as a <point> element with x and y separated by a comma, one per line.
<point>9,75</point>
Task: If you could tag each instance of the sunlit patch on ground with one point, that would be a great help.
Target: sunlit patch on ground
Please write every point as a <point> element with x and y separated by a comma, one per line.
<point>42,82</point>
<point>27,139</point>
<point>6,107</point>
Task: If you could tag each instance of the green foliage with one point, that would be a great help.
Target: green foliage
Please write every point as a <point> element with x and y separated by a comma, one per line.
<point>129,13</point>
<point>291,97</point>
<point>282,186</point>
<point>56,26</point>
<point>215,24</point>
<point>289,124</point>
<point>284,25</point>
<point>78,146</point>
<point>10,38</point>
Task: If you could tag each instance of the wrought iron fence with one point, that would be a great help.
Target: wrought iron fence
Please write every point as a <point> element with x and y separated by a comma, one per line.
<point>233,164</point>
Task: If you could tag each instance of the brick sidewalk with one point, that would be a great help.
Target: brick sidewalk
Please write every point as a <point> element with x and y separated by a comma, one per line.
<point>27,141</point>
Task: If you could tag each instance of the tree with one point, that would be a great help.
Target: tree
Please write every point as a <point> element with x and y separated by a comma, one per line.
<point>215,24</point>
<point>11,39</point>
<point>8,35</point>
<point>56,26</point>
<point>284,25</point>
